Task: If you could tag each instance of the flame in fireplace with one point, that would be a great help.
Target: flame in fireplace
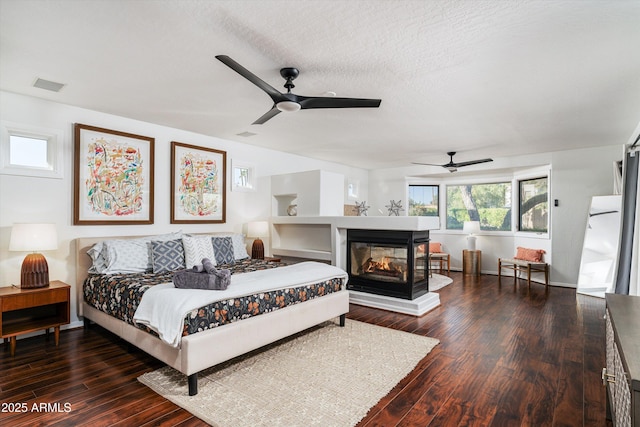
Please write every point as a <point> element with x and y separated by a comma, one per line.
<point>386,265</point>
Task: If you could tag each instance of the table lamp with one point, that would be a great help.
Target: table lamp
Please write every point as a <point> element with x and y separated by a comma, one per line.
<point>256,230</point>
<point>471,228</point>
<point>34,238</point>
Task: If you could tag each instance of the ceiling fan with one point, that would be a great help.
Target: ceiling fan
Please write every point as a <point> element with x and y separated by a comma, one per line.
<point>452,167</point>
<point>289,101</point>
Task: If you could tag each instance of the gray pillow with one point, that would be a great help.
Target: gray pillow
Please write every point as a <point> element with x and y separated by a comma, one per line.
<point>167,256</point>
<point>223,250</point>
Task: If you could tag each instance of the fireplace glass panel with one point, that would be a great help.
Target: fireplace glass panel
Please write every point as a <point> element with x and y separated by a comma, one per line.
<point>382,262</point>
<point>421,263</point>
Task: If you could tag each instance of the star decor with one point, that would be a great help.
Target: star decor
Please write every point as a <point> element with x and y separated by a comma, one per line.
<point>395,207</point>
<point>362,208</point>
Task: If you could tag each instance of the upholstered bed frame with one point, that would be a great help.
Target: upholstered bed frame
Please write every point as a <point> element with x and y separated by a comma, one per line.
<point>211,347</point>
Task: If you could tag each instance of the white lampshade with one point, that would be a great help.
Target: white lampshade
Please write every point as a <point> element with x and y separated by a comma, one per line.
<point>471,227</point>
<point>258,229</point>
<point>33,237</point>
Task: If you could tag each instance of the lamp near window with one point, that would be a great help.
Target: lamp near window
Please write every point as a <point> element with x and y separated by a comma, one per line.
<point>34,238</point>
<point>471,228</point>
<point>256,230</point>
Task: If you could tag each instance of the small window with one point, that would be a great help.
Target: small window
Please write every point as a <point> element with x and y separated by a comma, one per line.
<point>423,200</point>
<point>30,151</point>
<point>534,205</point>
<point>488,203</point>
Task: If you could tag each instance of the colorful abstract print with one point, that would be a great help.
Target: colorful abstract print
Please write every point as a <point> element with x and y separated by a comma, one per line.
<point>200,193</point>
<point>115,182</point>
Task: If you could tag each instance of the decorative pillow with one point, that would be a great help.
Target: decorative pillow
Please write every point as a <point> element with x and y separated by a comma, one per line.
<point>97,254</point>
<point>223,248</point>
<point>167,256</point>
<point>125,255</point>
<point>239,246</point>
<point>533,255</point>
<point>435,248</point>
<point>196,248</point>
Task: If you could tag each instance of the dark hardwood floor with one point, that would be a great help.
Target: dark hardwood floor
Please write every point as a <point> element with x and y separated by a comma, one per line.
<point>508,355</point>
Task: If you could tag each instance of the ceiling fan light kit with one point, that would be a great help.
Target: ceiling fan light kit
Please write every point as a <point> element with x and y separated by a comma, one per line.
<point>290,102</point>
<point>288,106</point>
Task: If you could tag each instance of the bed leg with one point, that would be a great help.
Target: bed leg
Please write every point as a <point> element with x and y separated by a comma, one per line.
<point>342,319</point>
<point>193,384</point>
<point>86,323</point>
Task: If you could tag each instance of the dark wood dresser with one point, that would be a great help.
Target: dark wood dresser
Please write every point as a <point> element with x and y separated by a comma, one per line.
<point>622,374</point>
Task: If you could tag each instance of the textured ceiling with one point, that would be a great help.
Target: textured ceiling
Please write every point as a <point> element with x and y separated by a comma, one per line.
<point>484,78</point>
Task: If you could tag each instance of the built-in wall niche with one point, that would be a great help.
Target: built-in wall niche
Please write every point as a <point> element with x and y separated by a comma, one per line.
<point>286,204</point>
<point>311,241</point>
<point>315,193</point>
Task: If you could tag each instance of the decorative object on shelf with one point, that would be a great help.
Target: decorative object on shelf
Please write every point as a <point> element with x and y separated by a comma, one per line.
<point>471,228</point>
<point>362,208</point>
<point>113,177</point>
<point>198,184</point>
<point>32,238</point>
<point>394,207</point>
<point>292,210</point>
<point>256,230</point>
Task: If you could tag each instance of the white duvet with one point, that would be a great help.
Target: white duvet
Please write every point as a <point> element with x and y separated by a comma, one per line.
<point>164,307</point>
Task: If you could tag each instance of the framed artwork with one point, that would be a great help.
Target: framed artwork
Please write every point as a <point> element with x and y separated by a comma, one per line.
<point>242,177</point>
<point>113,177</point>
<point>198,184</point>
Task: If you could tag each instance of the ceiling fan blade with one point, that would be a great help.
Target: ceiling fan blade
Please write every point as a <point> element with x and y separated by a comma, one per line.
<point>309,102</point>
<point>426,164</point>
<point>275,95</point>
<point>472,162</point>
<point>266,116</point>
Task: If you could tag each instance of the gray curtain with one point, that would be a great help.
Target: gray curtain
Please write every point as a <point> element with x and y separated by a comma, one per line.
<point>629,201</point>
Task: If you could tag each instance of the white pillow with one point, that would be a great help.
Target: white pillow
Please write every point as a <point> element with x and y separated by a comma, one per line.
<point>196,248</point>
<point>125,255</point>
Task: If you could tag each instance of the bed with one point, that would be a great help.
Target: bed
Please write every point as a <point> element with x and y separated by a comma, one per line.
<point>195,352</point>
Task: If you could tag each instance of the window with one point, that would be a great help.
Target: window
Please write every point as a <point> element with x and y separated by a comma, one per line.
<point>534,206</point>
<point>488,203</point>
<point>30,151</point>
<point>423,200</point>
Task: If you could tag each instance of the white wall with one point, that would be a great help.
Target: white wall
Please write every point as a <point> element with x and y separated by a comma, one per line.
<point>28,199</point>
<point>575,177</point>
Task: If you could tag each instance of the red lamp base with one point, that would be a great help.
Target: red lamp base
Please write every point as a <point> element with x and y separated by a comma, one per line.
<point>35,272</point>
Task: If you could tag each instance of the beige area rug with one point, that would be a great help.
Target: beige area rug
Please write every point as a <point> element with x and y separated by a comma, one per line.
<point>327,376</point>
<point>438,281</point>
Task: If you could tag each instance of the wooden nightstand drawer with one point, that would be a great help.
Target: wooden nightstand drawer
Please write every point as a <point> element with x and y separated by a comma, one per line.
<point>33,299</point>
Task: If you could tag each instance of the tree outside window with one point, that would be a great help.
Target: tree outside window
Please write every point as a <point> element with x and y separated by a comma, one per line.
<point>534,205</point>
<point>490,204</point>
<point>423,200</point>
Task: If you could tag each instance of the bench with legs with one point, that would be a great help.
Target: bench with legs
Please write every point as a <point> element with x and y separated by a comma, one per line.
<point>519,265</point>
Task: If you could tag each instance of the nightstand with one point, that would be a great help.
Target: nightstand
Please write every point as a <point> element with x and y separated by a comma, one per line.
<point>29,310</point>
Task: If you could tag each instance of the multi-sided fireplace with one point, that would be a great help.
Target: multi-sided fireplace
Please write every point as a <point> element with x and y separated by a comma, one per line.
<point>388,262</point>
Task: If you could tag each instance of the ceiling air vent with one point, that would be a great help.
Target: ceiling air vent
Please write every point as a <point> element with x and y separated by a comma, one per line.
<point>246,134</point>
<point>48,85</point>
